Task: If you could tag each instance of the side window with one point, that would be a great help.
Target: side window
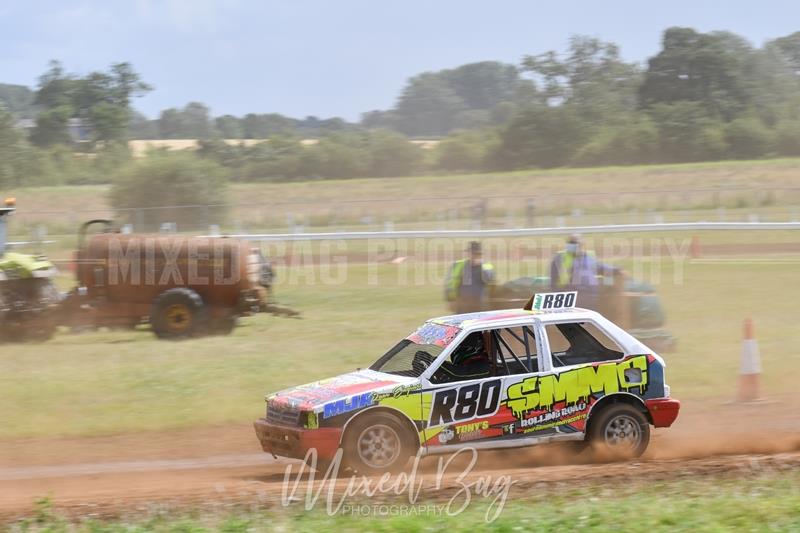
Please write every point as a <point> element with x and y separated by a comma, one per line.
<point>575,343</point>
<point>515,350</point>
<point>469,360</point>
<point>488,353</point>
<point>598,335</point>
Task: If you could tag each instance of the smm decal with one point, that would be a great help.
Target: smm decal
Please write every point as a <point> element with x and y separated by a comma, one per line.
<point>470,401</point>
<point>541,392</point>
<point>346,405</point>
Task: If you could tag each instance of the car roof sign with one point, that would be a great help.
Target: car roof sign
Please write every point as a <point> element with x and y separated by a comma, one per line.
<point>552,301</point>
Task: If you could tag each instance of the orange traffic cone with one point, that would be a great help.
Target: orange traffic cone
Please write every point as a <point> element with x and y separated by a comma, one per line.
<point>750,370</point>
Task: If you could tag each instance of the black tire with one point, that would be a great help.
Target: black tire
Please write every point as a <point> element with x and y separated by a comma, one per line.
<point>178,313</point>
<point>619,432</point>
<point>377,443</point>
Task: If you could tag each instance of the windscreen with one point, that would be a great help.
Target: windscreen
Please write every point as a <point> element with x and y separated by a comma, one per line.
<point>412,355</point>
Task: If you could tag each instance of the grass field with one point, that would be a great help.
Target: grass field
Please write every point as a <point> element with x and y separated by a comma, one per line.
<point>447,200</point>
<point>767,501</point>
<point>113,382</point>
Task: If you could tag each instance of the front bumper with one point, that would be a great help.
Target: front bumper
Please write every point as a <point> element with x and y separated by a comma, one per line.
<point>295,442</point>
<point>663,411</point>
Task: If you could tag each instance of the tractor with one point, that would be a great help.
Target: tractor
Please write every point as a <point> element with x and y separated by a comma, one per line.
<point>29,300</point>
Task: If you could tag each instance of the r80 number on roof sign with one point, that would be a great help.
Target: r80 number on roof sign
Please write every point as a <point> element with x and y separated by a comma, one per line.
<point>551,301</point>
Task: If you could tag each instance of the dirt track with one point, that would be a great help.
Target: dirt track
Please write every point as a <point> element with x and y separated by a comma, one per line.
<point>221,467</point>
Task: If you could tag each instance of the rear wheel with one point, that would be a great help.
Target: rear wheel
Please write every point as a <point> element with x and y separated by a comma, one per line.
<point>377,443</point>
<point>178,314</point>
<point>619,432</point>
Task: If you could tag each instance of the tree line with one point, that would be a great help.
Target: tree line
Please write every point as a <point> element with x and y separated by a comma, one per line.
<point>703,96</point>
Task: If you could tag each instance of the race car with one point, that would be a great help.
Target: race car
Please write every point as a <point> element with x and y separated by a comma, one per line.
<point>549,372</point>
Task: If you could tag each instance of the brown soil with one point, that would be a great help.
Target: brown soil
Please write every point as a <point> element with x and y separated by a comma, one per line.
<point>222,467</point>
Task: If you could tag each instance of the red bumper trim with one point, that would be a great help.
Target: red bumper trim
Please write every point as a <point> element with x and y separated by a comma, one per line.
<point>295,442</point>
<point>663,411</point>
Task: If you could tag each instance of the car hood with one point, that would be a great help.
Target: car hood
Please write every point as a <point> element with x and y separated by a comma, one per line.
<point>313,396</point>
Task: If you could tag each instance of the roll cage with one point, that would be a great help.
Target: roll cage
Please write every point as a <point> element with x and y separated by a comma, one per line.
<point>535,340</point>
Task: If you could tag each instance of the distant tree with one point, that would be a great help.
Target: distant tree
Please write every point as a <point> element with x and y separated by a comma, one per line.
<point>109,122</point>
<point>196,121</point>
<point>787,138</point>
<point>379,119</point>
<point>541,136</point>
<point>257,126</point>
<point>632,144</point>
<point>191,122</point>
<point>9,140</point>
<point>789,50</point>
<point>483,85</point>
<point>591,78</point>
<point>428,106</point>
<point>687,131</point>
<point>100,99</point>
<point>170,124</point>
<point>748,138</point>
<point>435,103</point>
<point>229,127</point>
<point>711,69</point>
<point>55,97</point>
<point>339,156</point>
<point>168,179</point>
<point>140,127</point>
<point>18,100</point>
<point>465,151</point>
<point>391,154</point>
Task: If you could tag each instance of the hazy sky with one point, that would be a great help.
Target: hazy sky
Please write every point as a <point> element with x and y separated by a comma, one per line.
<point>335,57</point>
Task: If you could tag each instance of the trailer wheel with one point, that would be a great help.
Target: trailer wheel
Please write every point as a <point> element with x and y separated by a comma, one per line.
<point>178,313</point>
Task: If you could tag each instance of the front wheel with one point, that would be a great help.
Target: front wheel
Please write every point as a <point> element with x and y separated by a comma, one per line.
<point>377,443</point>
<point>619,432</point>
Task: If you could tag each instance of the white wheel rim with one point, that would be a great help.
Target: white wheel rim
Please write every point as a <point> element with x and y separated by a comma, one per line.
<point>378,446</point>
<point>623,432</point>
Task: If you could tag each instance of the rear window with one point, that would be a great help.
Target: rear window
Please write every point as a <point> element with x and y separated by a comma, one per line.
<point>574,343</point>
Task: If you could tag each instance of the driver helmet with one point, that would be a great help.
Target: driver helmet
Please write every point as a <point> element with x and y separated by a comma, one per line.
<point>472,346</point>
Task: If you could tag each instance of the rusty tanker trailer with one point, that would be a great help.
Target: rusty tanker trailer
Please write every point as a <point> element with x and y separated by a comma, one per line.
<point>182,286</point>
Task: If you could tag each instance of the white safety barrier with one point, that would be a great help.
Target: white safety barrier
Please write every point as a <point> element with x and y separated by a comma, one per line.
<point>520,232</point>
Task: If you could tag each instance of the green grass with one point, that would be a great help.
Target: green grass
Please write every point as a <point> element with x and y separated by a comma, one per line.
<point>439,198</point>
<point>765,502</point>
<point>116,382</point>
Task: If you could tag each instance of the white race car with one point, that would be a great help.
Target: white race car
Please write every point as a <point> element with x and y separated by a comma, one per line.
<point>499,379</point>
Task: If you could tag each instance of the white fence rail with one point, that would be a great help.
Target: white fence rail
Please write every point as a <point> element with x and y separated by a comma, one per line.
<point>519,232</point>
